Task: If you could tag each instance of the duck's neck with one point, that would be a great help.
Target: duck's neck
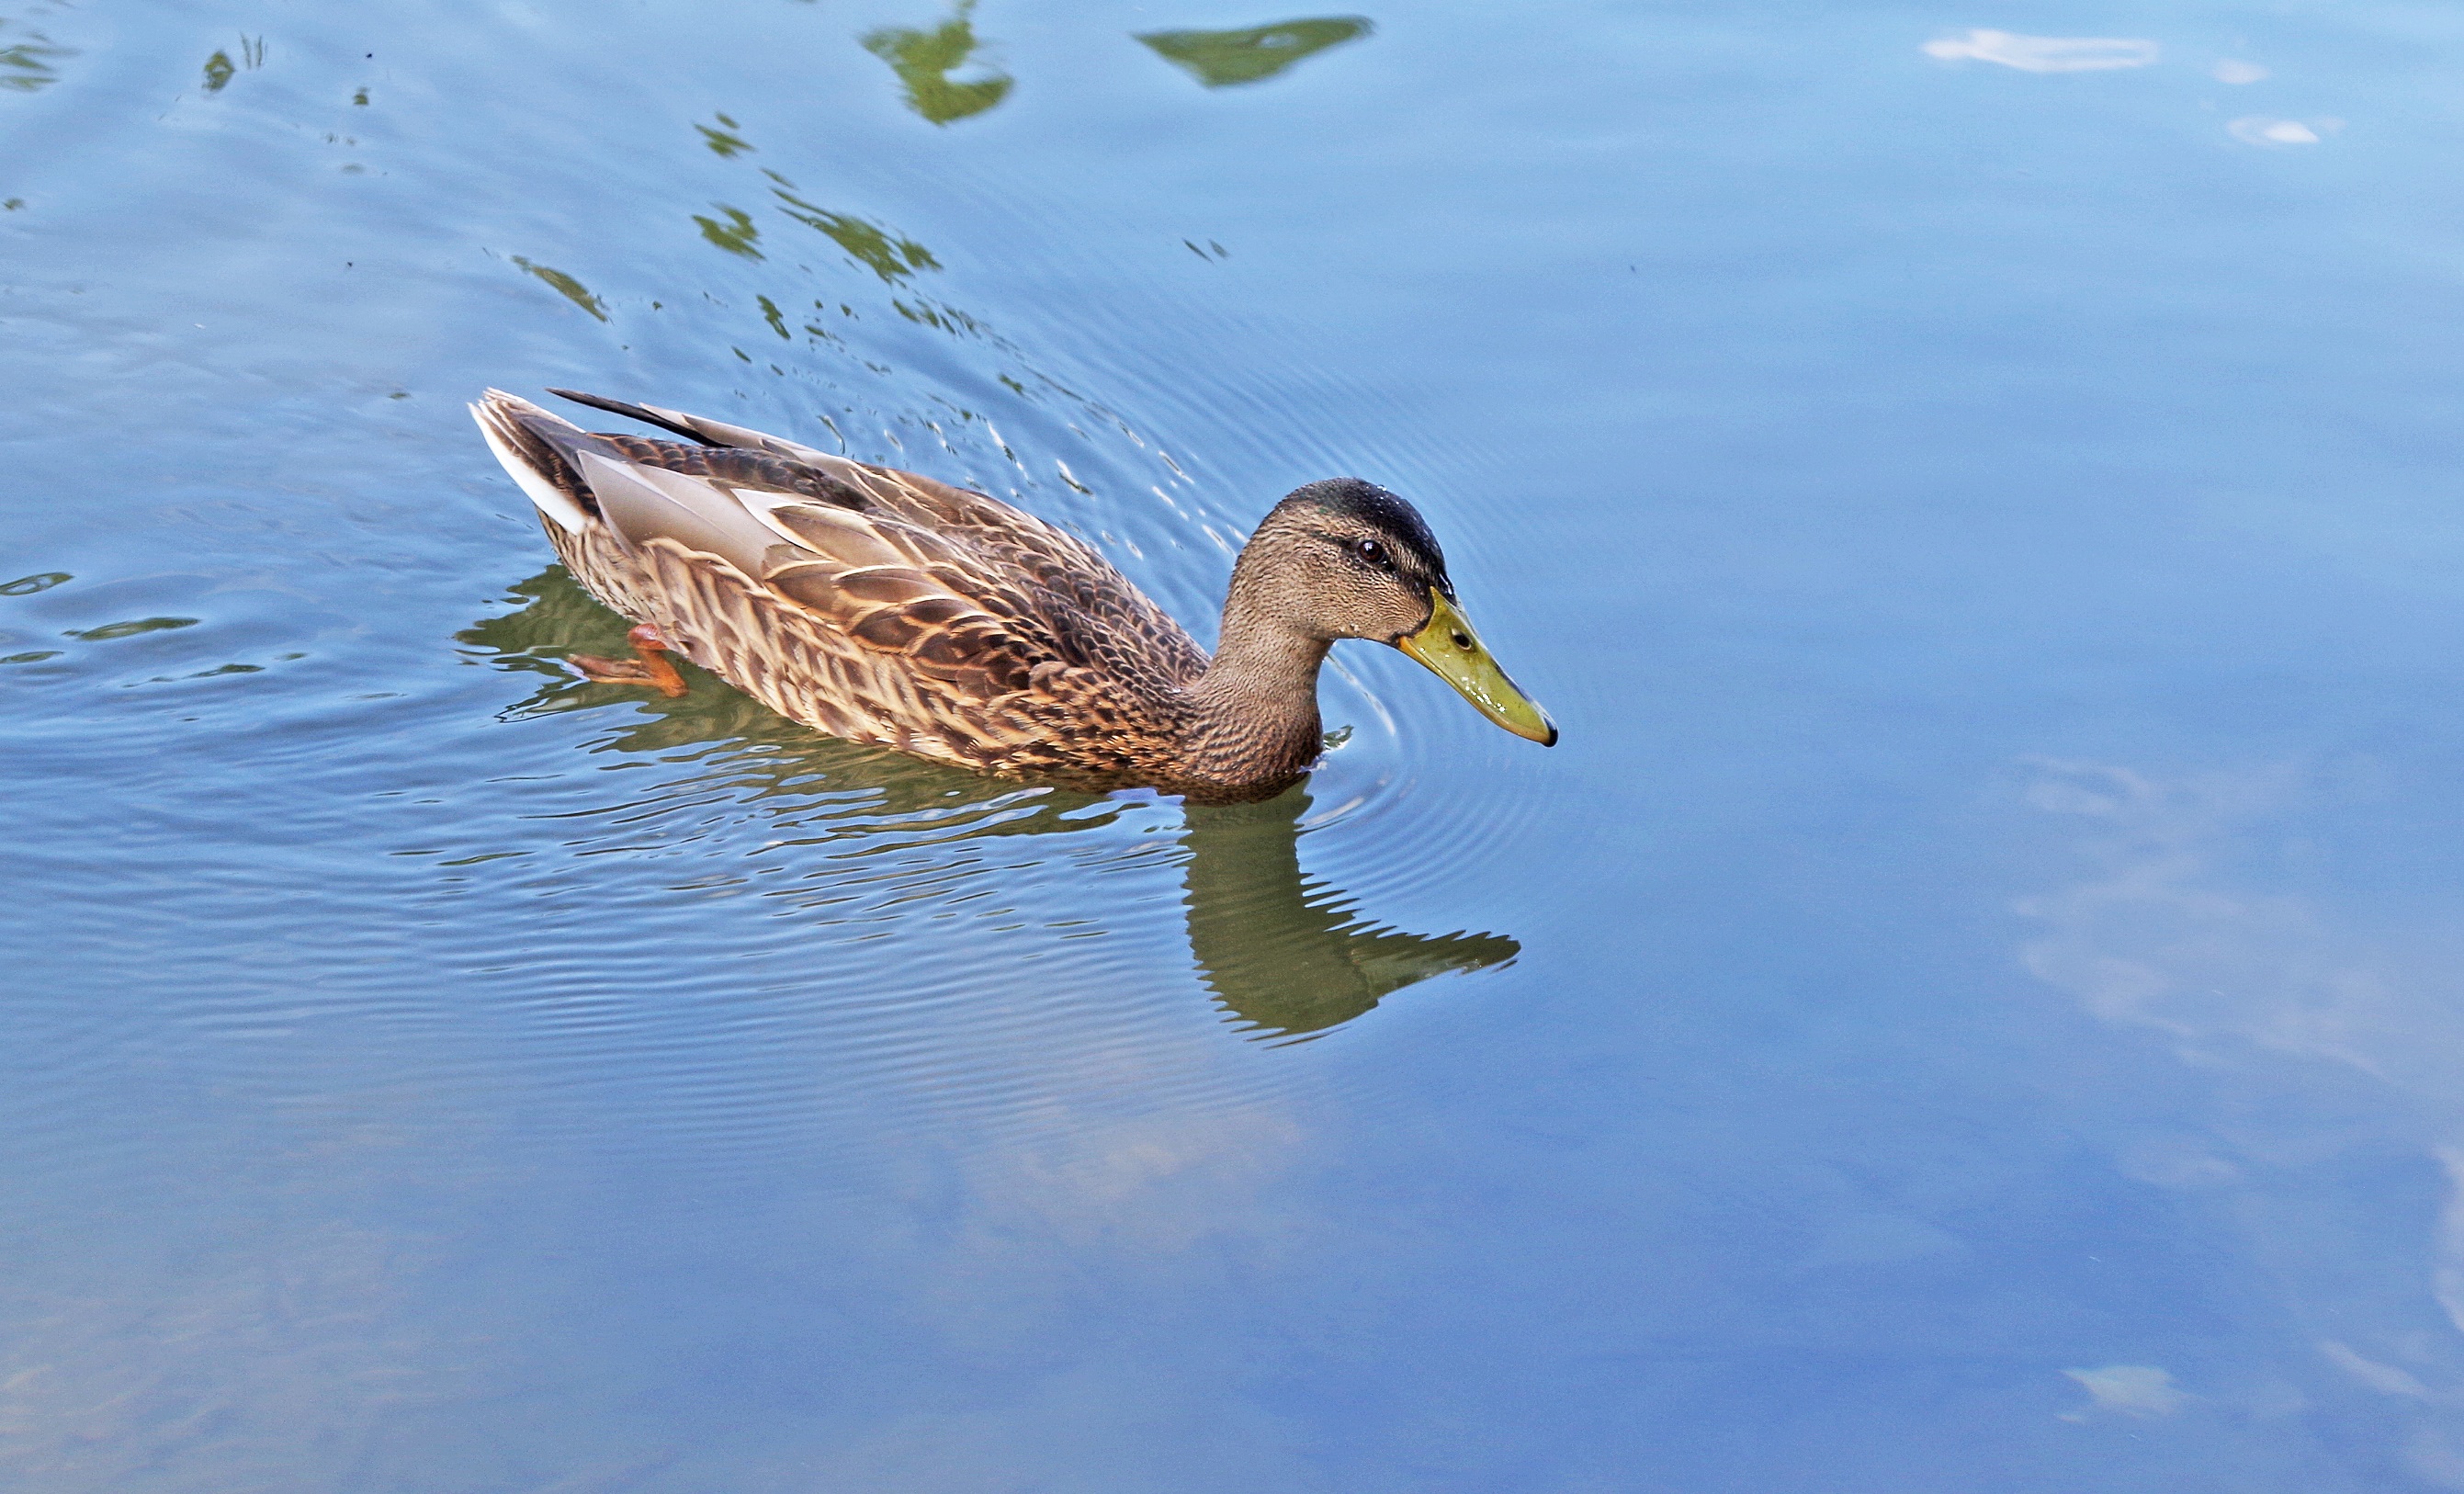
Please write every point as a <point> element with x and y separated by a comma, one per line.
<point>1255,717</point>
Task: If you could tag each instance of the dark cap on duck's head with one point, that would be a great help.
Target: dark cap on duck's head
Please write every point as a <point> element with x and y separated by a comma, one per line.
<point>1388,518</point>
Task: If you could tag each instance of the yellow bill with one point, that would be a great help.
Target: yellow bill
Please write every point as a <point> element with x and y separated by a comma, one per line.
<point>1453,653</point>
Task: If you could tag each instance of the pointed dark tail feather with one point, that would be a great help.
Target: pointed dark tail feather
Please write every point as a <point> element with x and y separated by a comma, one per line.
<point>665,420</point>
<point>698,428</point>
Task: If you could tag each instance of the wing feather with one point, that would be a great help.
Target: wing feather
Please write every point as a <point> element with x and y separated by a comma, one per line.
<point>642,503</point>
<point>974,594</point>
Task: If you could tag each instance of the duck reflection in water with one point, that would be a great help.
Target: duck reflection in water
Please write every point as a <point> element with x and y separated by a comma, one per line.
<point>1289,956</point>
<point>1286,957</point>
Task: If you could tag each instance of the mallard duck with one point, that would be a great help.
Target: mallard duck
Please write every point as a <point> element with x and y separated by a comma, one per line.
<point>884,607</point>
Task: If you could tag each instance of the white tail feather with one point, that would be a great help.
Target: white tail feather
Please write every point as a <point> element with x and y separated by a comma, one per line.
<point>552,500</point>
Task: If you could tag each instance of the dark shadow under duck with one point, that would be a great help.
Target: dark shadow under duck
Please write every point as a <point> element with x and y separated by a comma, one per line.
<point>884,607</point>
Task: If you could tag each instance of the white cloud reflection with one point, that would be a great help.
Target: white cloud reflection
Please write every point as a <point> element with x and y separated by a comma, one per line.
<point>2131,1390</point>
<point>262,1361</point>
<point>2326,1037</point>
<point>2260,129</point>
<point>2044,54</point>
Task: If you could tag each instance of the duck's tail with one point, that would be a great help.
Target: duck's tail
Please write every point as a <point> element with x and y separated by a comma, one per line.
<point>527,439</point>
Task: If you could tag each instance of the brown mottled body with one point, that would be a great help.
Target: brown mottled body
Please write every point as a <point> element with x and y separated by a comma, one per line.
<point>975,709</point>
<point>896,609</point>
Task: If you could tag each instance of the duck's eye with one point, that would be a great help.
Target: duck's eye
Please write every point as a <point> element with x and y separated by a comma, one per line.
<point>1373,553</point>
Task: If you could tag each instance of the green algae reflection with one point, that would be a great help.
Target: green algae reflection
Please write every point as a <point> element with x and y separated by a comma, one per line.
<point>130,630</point>
<point>220,69</point>
<point>893,259</point>
<point>564,285</point>
<point>26,65</point>
<point>924,62</point>
<point>737,235</point>
<point>724,142</point>
<point>1223,59</point>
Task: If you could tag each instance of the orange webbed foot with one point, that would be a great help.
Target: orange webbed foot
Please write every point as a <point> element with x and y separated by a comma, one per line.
<point>649,665</point>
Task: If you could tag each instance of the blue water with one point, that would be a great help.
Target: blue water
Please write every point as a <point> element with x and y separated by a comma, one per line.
<point>1970,1004</point>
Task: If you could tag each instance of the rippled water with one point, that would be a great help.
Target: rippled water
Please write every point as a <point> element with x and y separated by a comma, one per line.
<point>1971,1004</point>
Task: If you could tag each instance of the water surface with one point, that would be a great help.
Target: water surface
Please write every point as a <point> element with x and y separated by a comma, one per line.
<point>1970,1005</point>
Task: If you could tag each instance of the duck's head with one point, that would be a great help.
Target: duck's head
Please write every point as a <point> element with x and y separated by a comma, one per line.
<point>1346,559</point>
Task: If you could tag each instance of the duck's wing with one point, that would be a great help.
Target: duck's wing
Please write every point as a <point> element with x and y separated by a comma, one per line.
<point>1091,613</point>
<point>970,590</point>
<point>1098,617</point>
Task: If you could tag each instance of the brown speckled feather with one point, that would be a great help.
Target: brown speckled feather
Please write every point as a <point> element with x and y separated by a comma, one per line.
<point>868,602</point>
